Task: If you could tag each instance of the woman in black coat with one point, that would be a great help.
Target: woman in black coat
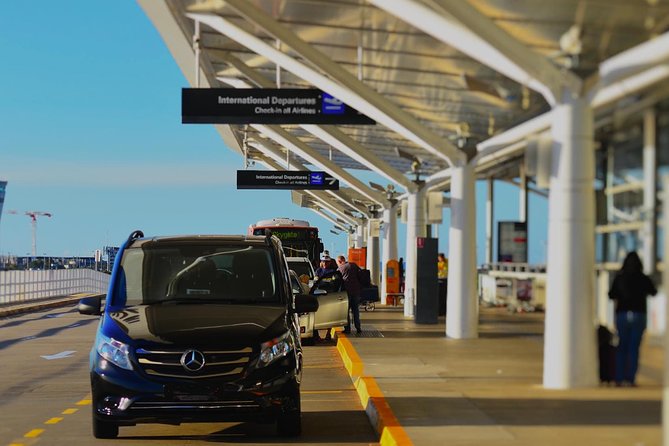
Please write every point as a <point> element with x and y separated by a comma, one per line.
<point>630,289</point>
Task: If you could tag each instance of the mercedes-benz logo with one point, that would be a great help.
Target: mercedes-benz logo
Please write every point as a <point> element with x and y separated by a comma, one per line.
<point>192,360</point>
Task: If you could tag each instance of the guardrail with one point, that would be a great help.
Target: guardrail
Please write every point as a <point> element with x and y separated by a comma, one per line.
<point>25,286</point>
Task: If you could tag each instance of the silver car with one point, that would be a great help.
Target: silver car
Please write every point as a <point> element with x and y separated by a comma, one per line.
<point>332,306</point>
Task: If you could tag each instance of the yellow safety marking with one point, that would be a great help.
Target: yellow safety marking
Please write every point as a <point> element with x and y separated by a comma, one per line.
<point>16,444</point>
<point>349,356</point>
<point>85,402</point>
<point>318,392</point>
<point>69,411</point>
<point>371,397</point>
<point>34,433</point>
<point>53,420</point>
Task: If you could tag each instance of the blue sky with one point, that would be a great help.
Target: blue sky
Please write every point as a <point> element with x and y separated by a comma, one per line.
<point>91,132</point>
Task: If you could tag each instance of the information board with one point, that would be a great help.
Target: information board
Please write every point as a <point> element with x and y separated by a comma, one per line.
<point>265,106</point>
<point>512,241</point>
<point>286,179</point>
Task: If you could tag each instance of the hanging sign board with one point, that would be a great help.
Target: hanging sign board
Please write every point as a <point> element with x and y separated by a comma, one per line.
<point>286,179</point>
<point>512,241</point>
<point>265,106</point>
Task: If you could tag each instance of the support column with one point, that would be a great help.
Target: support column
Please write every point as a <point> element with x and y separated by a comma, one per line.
<point>389,248</point>
<point>570,354</point>
<point>489,219</point>
<point>523,198</point>
<point>359,239</point>
<point>649,233</point>
<point>373,250</point>
<point>462,305</point>
<point>416,227</point>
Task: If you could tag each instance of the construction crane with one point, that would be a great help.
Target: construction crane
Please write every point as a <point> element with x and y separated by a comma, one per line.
<point>33,217</point>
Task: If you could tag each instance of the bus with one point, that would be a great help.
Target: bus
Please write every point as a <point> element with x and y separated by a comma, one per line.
<point>298,237</point>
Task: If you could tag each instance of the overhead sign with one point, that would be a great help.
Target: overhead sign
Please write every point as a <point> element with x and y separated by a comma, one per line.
<point>512,241</point>
<point>285,179</point>
<point>265,106</point>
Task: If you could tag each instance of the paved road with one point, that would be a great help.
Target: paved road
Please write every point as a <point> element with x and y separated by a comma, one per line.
<point>44,393</point>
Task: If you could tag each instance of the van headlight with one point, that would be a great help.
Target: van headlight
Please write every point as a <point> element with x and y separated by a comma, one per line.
<point>274,349</point>
<point>113,351</point>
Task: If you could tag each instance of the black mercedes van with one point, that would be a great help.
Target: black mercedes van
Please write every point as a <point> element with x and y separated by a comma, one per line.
<point>197,328</point>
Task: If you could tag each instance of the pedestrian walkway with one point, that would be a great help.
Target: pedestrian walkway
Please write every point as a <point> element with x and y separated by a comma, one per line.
<point>488,391</point>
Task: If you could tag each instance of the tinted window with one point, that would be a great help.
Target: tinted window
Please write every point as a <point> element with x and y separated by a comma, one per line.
<point>235,274</point>
<point>301,268</point>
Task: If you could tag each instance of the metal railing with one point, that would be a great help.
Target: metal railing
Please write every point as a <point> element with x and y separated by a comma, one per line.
<point>25,286</point>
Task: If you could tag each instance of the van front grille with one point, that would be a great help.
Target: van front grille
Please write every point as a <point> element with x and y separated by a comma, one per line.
<point>228,364</point>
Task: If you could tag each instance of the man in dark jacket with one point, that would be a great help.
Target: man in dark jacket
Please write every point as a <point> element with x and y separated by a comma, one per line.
<point>349,272</point>
<point>630,289</point>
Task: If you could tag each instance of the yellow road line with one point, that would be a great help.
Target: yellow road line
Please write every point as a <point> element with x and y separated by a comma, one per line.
<point>69,411</point>
<point>53,420</point>
<point>84,402</point>
<point>34,433</point>
<point>16,444</point>
<point>318,392</point>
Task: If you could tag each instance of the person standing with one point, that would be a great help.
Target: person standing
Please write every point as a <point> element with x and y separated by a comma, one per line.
<point>442,266</point>
<point>349,272</point>
<point>630,289</point>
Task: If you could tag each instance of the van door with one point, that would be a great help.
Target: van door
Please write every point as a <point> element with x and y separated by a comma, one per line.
<point>332,310</point>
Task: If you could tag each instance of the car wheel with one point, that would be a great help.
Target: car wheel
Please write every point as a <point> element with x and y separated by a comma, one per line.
<point>104,429</point>
<point>289,422</point>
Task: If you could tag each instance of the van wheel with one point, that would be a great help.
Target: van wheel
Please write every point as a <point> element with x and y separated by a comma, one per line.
<point>104,429</point>
<point>289,422</point>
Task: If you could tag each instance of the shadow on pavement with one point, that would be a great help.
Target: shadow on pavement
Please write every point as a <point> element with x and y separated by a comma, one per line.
<point>431,411</point>
<point>333,427</point>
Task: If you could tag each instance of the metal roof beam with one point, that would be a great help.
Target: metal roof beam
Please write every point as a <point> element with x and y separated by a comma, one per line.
<point>273,151</point>
<point>294,144</point>
<point>317,195</point>
<point>329,134</point>
<point>634,60</point>
<point>461,26</point>
<point>338,82</point>
<point>181,48</point>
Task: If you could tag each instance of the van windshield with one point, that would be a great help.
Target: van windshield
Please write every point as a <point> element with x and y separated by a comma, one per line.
<point>188,273</point>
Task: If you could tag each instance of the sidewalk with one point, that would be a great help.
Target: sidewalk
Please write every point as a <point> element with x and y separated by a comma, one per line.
<point>488,391</point>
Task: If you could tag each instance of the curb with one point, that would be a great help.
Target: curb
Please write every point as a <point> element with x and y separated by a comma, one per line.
<point>36,306</point>
<point>378,410</point>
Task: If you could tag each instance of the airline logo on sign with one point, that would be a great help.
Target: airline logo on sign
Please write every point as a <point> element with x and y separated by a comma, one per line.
<point>332,105</point>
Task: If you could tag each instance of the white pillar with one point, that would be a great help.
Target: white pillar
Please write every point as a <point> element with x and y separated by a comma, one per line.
<point>570,354</point>
<point>523,198</point>
<point>462,305</point>
<point>416,227</point>
<point>359,239</point>
<point>649,190</point>
<point>489,220</point>
<point>373,250</point>
<point>389,248</point>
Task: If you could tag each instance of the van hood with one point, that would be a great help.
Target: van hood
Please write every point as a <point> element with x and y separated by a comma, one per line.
<point>201,325</point>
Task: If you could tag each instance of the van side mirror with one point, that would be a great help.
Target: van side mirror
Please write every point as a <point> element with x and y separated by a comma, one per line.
<point>90,305</point>
<point>305,303</point>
